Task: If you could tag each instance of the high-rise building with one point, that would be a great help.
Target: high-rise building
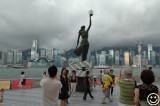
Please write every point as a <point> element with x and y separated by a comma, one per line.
<point>131,54</point>
<point>34,49</point>
<point>126,58</point>
<point>97,58</point>
<point>15,55</point>
<point>42,52</point>
<point>153,58</point>
<point>102,59</point>
<point>19,57</point>
<point>10,57</point>
<point>93,60</point>
<point>49,54</point>
<point>136,61</point>
<point>55,56</point>
<point>4,58</point>
<point>111,57</point>
<point>117,57</point>
<point>59,61</point>
<point>149,51</point>
<point>89,55</point>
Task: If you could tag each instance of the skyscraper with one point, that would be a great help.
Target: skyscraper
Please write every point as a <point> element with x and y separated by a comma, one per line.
<point>153,58</point>
<point>126,58</point>
<point>42,52</point>
<point>117,57</point>
<point>10,57</point>
<point>102,59</point>
<point>19,57</point>
<point>34,49</point>
<point>55,56</point>
<point>4,58</point>
<point>149,51</point>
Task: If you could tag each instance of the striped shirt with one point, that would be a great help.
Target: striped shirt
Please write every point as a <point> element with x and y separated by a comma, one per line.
<point>127,88</point>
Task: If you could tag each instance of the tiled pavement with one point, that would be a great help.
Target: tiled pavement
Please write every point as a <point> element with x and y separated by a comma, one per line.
<point>32,97</point>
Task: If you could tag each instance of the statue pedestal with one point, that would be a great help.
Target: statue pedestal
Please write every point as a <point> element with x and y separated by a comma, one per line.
<point>81,68</point>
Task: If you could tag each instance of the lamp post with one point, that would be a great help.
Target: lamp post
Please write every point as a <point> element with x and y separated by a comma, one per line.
<point>90,12</point>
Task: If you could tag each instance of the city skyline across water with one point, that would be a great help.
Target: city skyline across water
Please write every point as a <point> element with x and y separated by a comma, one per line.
<point>116,56</point>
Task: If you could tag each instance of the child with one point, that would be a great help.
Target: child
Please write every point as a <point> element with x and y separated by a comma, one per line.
<point>2,91</point>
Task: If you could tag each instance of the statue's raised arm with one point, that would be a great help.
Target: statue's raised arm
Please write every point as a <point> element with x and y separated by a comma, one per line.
<point>90,22</point>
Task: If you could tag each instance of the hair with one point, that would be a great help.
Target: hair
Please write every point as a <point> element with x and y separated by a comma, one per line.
<point>111,70</point>
<point>101,71</point>
<point>62,71</point>
<point>74,71</point>
<point>22,73</point>
<point>87,72</point>
<point>147,76</point>
<point>150,68</point>
<point>52,71</point>
<point>127,72</point>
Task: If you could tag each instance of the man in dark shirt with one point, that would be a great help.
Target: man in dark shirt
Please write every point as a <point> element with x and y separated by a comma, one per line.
<point>87,90</point>
<point>113,78</point>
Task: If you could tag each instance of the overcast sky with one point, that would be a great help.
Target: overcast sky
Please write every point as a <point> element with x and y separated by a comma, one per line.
<point>56,22</point>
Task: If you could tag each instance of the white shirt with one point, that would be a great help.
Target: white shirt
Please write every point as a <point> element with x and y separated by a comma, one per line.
<point>50,91</point>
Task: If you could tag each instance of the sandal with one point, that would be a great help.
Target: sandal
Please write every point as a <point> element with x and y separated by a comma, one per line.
<point>104,103</point>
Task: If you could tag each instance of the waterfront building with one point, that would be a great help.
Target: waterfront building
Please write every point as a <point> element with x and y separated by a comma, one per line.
<point>15,55</point>
<point>4,58</point>
<point>126,58</point>
<point>144,62</point>
<point>19,57</point>
<point>149,51</point>
<point>41,62</point>
<point>102,59</point>
<point>34,49</point>
<point>89,56</point>
<point>42,52</point>
<point>71,60</point>
<point>49,54</point>
<point>10,57</point>
<point>63,62</point>
<point>59,61</point>
<point>131,55</point>
<point>97,58</point>
<point>136,61</point>
<point>55,56</point>
<point>111,57</point>
<point>153,57</point>
<point>117,58</point>
<point>93,60</point>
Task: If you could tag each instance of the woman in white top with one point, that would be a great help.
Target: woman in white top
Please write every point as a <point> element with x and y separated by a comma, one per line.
<point>23,79</point>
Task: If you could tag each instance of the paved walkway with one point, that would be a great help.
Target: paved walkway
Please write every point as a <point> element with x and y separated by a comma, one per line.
<point>32,97</point>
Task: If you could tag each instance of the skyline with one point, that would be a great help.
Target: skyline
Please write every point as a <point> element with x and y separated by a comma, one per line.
<point>56,23</point>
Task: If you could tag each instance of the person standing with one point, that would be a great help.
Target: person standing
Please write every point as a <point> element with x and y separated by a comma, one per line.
<point>63,95</point>
<point>87,89</point>
<point>50,88</point>
<point>127,87</point>
<point>74,82</point>
<point>23,79</point>
<point>44,74</point>
<point>113,78</point>
<point>100,77</point>
<point>107,80</point>
<point>69,85</point>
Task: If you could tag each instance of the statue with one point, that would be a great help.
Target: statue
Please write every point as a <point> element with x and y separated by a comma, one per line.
<point>83,49</point>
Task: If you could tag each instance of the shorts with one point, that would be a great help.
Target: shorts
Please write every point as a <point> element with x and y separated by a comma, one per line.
<point>23,82</point>
<point>107,92</point>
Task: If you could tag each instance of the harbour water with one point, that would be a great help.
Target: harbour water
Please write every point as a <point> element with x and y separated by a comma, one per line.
<point>13,73</point>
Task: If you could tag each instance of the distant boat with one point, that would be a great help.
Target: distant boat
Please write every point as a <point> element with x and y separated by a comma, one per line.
<point>18,66</point>
<point>101,67</point>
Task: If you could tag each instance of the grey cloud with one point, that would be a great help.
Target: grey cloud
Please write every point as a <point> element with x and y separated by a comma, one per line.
<point>57,22</point>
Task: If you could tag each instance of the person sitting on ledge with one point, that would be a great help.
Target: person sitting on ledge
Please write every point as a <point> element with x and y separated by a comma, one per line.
<point>145,89</point>
<point>2,91</point>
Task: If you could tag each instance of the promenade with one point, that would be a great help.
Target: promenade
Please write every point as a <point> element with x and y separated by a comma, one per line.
<point>32,97</point>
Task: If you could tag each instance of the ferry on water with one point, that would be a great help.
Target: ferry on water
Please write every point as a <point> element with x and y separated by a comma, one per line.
<point>101,67</point>
<point>18,66</point>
